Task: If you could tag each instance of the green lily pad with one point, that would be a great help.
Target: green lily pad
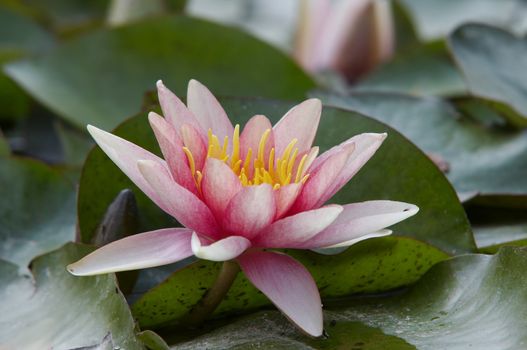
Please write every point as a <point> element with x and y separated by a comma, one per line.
<point>490,60</point>
<point>435,19</point>
<point>423,70</point>
<point>399,171</point>
<point>37,210</point>
<point>4,146</point>
<point>367,267</point>
<point>481,159</point>
<point>19,37</point>
<point>468,302</point>
<point>497,227</point>
<point>119,65</point>
<point>61,311</point>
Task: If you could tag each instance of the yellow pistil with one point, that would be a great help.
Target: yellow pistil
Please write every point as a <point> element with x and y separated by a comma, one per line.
<point>253,169</point>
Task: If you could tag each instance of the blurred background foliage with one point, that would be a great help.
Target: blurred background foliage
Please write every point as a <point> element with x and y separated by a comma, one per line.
<point>447,79</point>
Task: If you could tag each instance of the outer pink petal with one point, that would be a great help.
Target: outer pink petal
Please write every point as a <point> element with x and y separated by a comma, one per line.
<point>188,209</point>
<point>301,122</point>
<point>172,149</point>
<point>359,219</point>
<point>285,196</point>
<point>125,155</point>
<point>252,209</point>
<point>174,110</point>
<point>365,147</point>
<point>219,186</point>
<point>208,111</point>
<point>322,178</point>
<point>288,285</point>
<point>251,135</point>
<point>139,251</point>
<point>293,231</point>
<point>222,250</point>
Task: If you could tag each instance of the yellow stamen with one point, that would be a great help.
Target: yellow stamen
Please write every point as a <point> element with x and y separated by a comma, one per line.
<point>300,168</point>
<point>235,157</point>
<point>291,162</point>
<point>247,160</point>
<point>276,172</point>
<point>190,159</point>
<point>261,146</point>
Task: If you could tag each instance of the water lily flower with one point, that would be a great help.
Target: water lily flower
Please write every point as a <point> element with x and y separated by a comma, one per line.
<point>350,37</point>
<point>241,194</point>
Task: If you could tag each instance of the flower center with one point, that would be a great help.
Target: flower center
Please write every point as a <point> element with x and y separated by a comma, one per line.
<point>257,167</point>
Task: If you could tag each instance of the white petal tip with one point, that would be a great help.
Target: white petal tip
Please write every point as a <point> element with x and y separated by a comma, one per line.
<point>91,129</point>
<point>411,210</point>
<point>74,270</point>
<point>160,84</point>
<point>195,243</point>
<point>153,116</point>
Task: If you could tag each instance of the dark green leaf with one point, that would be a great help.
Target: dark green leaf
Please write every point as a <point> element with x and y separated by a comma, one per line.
<point>491,62</point>
<point>37,210</point>
<point>423,70</point>
<point>75,145</point>
<point>4,146</point>
<point>497,227</point>
<point>120,65</point>
<point>469,302</point>
<point>61,311</point>
<point>19,37</point>
<point>484,160</point>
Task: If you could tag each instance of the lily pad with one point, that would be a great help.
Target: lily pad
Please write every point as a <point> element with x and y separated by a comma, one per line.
<point>4,146</point>
<point>370,266</point>
<point>61,311</point>
<point>399,171</point>
<point>19,37</point>
<point>435,19</point>
<point>119,65</point>
<point>422,70</point>
<point>37,210</point>
<point>481,159</point>
<point>497,227</point>
<point>468,302</point>
<point>490,60</point>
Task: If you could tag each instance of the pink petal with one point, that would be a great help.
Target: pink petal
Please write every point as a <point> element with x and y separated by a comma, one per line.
<point>219,185</point>
<point>194,141</point>
<point>285,196</point>
<point>248,212</point>
<point>174,110</point>
<point>188,209</point>
<point>208,111</point>
<point>301,122</point>
<point>172,149</point>
<point>288,285</point>
<point>322,177</point>
<point>125,155</point>
<point>251,135</point>
<point>222,250</point>
<point>139,251</point>
<point>365,147</point>
<point>293,231</point>
<point>360,219</point>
